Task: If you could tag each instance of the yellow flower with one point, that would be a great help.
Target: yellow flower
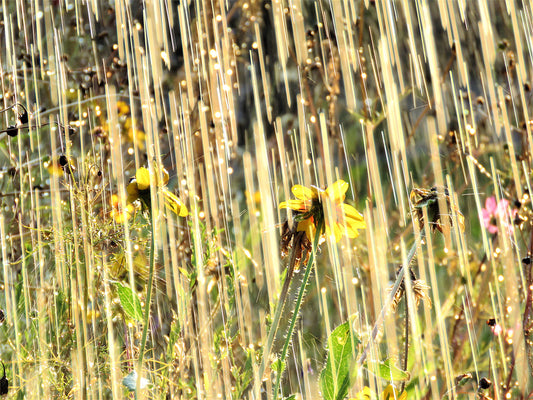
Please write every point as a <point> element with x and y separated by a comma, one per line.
<point>117,213</point>
<point>122,108</point>
<point>61,165</point>
<point>390,393</point>
<point>365,394</point>
<point>139,189</point>
<point>313,205</point>
<point>137,137</point>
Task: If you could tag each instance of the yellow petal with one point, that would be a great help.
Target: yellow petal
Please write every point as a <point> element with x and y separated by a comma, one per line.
<point>132,190</point>
<point>304,193</point>
<point>297,205</point>
<point>164,176</point>
<point>365,394</point>
<point>114,200</point>
<point>143,178</point>
<point>334,230</point>
<point>355,223</point>
<point>175,204</point>
<point>351,213</point>
<point>55,169</point>
<point>337,191</point>
<point>351,232</point>
<point>390,393</point>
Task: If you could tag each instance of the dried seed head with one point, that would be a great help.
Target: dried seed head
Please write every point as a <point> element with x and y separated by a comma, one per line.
<point>420,291</point>
<point>421,198</point>
<point>484,383</point>
<point>419,287</point>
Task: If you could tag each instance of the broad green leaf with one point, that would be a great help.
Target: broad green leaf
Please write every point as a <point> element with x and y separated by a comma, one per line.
<point>387,370</point>
<point>291,397</point>
<point>130,302</point>
<point>340,372</point>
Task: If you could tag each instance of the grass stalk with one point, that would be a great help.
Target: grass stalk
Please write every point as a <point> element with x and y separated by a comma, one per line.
<point>406,343</point>
<point>146,308</point>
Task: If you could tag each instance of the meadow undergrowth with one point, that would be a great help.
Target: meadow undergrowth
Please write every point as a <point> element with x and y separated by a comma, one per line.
<point>266,199</point>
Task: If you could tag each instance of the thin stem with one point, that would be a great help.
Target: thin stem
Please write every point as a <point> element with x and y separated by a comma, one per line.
<point>146,308</point>
<point>406,344</point>
<point>301,294</point>
<point>388,302</point>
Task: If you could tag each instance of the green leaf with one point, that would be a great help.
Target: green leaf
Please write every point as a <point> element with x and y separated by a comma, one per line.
<point>291,397</point>
<point>130,302</point>
<point>340,373</point>
<point>387,370</point>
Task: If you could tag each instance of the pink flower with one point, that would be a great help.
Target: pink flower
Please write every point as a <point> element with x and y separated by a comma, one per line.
<point>497,211</point>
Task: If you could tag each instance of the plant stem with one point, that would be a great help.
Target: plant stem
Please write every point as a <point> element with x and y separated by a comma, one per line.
<point>146,309</point>
<point>406,344</point>
<point>281,302</point>
<point>301,294</point>
<point>388,302</point>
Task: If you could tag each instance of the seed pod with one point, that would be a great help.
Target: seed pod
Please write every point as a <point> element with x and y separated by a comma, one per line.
<point>12,130</point>
<point>63,160</point>
<point>23,118</point>
<point>4,383</point>
<point>484,383</point>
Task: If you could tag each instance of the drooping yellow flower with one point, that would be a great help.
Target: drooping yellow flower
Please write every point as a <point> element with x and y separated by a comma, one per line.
<point>139,189</point>
<point>313,205</point>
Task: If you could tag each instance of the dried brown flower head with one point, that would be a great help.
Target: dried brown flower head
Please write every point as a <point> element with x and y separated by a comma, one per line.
<point>291,237</point>
<point>419,287</point>
<point>429,198</point>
